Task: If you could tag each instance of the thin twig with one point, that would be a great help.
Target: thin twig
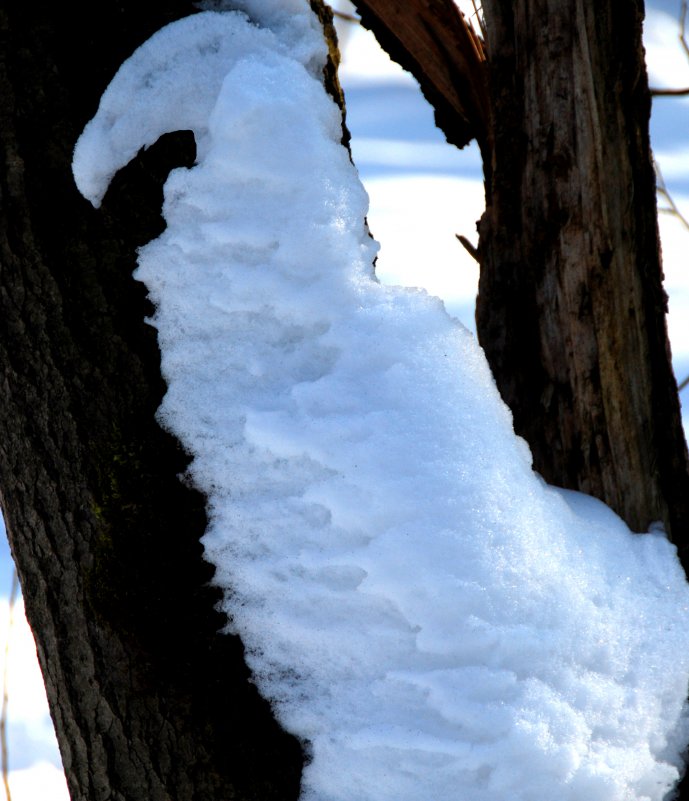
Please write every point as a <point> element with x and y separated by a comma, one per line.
<point>664,193</point>
<point>470,249</point>
<point>478,13</point>
<point>5,690</point>
<point>683,384</point>
<point>669,92</point>
<point>346,17</point>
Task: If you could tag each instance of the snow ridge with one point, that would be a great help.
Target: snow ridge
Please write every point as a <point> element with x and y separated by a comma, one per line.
<point>433,620</point>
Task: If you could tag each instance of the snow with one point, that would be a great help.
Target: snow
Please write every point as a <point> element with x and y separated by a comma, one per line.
<point>34,762</point>
<point>422,611</point>
<point>422,249</point>
<point>43,780</point>
<point>152,84</point>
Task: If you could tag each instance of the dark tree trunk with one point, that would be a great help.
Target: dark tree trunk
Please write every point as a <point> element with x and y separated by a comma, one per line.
<point>571,308</point>
<point>149,700</point>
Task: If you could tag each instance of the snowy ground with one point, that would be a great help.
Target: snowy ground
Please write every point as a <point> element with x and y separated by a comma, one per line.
<point>422,192</point>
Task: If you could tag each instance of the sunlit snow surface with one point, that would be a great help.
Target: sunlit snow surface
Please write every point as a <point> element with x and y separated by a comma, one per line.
<point>419,607</point>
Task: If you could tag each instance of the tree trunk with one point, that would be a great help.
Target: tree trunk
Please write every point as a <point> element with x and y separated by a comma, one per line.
<point>571,308</point>
<point>149,700</point>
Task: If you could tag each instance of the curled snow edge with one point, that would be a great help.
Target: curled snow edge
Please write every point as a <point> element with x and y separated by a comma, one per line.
<point>433,620</point>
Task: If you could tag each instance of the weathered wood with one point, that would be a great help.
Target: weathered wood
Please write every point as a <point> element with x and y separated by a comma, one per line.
<point>432,40</point>
<point>571,308</point>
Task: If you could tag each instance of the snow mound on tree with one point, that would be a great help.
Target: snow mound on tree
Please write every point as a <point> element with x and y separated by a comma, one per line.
<point>433,620</point>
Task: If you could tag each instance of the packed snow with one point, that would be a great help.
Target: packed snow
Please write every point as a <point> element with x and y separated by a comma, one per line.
<point>430,618</point>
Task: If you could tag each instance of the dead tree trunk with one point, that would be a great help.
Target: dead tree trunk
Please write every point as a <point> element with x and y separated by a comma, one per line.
<point>571,308</point>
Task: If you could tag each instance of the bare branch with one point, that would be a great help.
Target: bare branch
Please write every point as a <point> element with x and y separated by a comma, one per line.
<point>470,249</point>
<point>668,92</point>
<point>663,191</point>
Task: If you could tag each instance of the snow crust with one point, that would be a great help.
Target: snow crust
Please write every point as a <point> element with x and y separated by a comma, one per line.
<point>420,608</point>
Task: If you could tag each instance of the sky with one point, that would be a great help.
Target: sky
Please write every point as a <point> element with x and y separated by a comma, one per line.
<point>422,192</point>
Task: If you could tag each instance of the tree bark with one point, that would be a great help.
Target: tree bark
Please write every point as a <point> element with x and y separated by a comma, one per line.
<point>571,308</point>
<point>150,700</point>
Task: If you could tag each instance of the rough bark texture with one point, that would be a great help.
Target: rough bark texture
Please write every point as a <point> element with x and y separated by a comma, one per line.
<point>571,308</point>
<point>150,701</point>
